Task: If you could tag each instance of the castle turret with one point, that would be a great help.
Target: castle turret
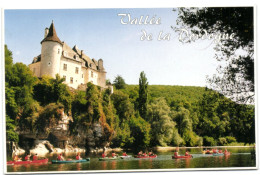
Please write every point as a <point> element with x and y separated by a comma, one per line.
<point>51,53</point>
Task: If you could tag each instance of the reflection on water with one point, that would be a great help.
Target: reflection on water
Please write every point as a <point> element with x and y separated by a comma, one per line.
<point>240,157</point>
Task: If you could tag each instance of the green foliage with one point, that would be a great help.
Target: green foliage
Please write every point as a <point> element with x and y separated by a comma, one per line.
<point>209,141</point>
<point>124,108</point>
<point>48,118</point>
<point>140,130</point>
<point>231,139</point>
<point>222,141</point>
<point>235,80</point>
<point>11,135</point>
<point>119,82</point>
<point>20,105</point>
<point>143,96</point>
<point>161,121</point>
<point>50,90</point>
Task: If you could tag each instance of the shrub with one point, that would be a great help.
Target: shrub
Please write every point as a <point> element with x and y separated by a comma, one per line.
<point>209,141</point>
<point>231,139</point>
<point>222,141</point>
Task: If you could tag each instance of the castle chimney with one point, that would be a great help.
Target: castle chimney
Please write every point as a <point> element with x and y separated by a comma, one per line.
<point>46,32</point>
<point>81,53</point>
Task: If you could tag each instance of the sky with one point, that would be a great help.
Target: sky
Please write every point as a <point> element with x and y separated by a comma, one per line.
<point>101,34</point>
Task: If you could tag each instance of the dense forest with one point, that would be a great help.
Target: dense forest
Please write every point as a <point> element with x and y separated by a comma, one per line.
<point>133,116</point>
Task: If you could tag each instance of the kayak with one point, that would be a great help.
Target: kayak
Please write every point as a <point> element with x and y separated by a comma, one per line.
<point>69,161</point>
<point>145,157</point>
<point>218,154</point>
<point>107,158</point>
<point>125,157</point>
<point>27,162</point>
<point>182,157</point>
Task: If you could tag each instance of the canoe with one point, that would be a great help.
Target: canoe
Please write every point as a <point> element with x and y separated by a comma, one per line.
<point>27,162</point>
<point>218,154</point>
<point>107,158</point>
<point>125,157</point>
<point>145,157</point>
<point>227,153</point>
<point>69,161</point>
<point>182,157</point>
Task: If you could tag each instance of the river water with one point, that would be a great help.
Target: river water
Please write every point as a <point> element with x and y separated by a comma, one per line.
<point>240,157</point>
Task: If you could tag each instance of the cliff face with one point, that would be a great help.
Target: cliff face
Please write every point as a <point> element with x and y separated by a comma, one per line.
<point>56,135</point>
<point>91,138</point>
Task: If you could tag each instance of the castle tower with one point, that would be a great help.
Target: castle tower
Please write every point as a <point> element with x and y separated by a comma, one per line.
<point>50,53</point>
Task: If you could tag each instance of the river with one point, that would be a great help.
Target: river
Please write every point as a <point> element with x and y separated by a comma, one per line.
<point>240,157</point>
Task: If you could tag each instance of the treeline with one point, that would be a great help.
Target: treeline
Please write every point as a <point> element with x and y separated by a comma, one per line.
<point>134,116</point>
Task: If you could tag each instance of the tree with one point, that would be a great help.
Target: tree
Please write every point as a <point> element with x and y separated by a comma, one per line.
<point>119,82</point>
<point>161,121</point>
<point>143,96</point>
<point>21,108</point>
<point>236,80</point>
<point>50,90</point>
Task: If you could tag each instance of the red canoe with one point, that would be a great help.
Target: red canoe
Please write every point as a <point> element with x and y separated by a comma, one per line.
<point>182,157</point>
<point>27,162</point>
<point>226,153</point>
<point>145,157</point>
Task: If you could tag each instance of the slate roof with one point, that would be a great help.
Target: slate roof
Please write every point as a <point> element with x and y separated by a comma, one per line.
<point>52,35</point>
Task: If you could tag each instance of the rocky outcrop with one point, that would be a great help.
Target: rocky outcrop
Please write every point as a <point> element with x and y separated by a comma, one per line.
<point>42,147</point>
<point>13,148</point>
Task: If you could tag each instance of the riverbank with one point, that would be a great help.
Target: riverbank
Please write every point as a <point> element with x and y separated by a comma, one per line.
<point>165,149</point>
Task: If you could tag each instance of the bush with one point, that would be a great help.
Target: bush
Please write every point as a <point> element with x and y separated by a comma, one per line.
<point>231,139</point>
<point>209,141</point>
<point>222,141</point>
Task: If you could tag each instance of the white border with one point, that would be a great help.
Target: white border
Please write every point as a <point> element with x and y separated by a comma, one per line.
<point>16,4</point>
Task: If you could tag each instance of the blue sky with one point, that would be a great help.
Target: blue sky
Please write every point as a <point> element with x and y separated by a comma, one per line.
<point>100,34</point>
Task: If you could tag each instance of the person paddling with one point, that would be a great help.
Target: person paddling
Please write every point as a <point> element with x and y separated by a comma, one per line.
<point>175,153</point>
<point>16,158</point>
<point>140,153</point>
<point>104,155</point>
<point>114,154</point>
<point>124,154</point>
<point>186,153</point>
<point>35,157</point>
<point>78,157</point>
<point>60,157</point>
<point>150,153</point>
<point>27,157</point>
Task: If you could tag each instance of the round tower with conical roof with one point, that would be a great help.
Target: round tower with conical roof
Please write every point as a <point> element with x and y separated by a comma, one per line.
<point>50,53</point>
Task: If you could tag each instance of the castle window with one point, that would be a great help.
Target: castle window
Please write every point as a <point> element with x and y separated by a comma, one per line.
<point>82,75</point>
<point>92,75</point>
<point>58,51</point>
<point>65,54</point>
<point>65,67</point>
<point>64,77</point>
<point>71,80</point>
<point>77,70</point>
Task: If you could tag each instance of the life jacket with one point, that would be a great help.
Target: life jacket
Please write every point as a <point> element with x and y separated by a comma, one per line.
<point>103,155</point>
<point>59,158</point>
<point>35,157</point>
<point>16,158</point>
<point>26,158</point>
<point>175,154</point>
<point>77,157</point>
<point>113,154</point>
<point>124,154</point>
<point>186,154</point>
